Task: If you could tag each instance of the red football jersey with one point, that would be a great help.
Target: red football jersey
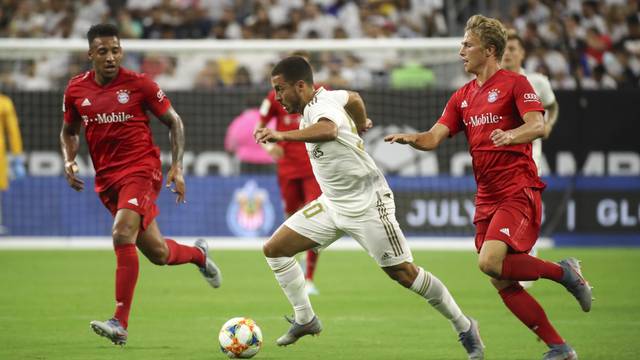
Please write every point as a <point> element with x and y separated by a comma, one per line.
<point>116,124</point>
<point>295,162</point>
<point>500,103</point>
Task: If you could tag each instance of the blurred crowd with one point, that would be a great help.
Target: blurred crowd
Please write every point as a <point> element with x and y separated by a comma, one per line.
<point>577,44</point>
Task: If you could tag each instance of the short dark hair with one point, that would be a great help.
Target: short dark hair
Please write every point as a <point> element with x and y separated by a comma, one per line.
<point>294,68</point>
<point>100,30</point>
<point>512,34</point>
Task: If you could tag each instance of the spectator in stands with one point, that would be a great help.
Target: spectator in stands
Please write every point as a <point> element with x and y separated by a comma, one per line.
<point>26,22</point>
<point>209,77</point>
<point>260,23</point>
<point>597,45</point>
<point>631,42</point>
<point>357,75</point>
<point>315,20</point>
<point>599,81</point>
<point>591,18</point>
<point>624,67</point>
<point>28,79</point>
<point>242,77</point>
<point>170,79</point>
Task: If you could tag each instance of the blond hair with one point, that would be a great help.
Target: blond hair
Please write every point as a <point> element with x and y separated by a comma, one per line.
<point>490,31</point>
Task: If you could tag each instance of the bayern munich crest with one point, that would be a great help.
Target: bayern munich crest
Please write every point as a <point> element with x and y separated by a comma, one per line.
<point>123,96</point>
<point>493,95</point>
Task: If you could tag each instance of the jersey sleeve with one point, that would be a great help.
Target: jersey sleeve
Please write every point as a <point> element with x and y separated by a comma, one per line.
<point>451,116</point>
<point>330,109</point>
<point>546,93</point>
<point>525,97</point>
<point>68,108</point>
<point>340,96</point>
<point>154,98</point>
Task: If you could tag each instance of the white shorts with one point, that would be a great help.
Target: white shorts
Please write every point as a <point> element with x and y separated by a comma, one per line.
<point>377,230</point>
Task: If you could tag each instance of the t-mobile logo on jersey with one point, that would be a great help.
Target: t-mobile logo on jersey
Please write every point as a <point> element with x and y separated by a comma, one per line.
<point>105,118</point>
<point>482,119</point>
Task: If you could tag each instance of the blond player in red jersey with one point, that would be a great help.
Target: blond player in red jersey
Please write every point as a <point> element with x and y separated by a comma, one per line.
<point>298,185</point>
<point>500,114</point>
<point>110,102</point>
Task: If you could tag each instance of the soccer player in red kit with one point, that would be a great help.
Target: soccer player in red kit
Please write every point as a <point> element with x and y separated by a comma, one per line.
<point>111,103</point>
<point>500,115</point>
<point>298,185</point>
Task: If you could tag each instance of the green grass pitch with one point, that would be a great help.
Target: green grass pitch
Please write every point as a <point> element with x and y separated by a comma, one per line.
<point>47,299</point>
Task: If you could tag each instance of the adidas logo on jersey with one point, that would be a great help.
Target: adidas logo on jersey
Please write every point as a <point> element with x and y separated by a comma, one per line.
<point>464,104</point>
<point>133,201</point>
<point>505,231</point>
<point>86,102</point>
<point>385,256</point>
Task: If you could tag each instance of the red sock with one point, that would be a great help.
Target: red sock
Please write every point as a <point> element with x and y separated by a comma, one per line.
<point>519,267</point>
<point>312,260</point>
<point>126,277</point>
<point>527,309</point>
<point>182,254</point>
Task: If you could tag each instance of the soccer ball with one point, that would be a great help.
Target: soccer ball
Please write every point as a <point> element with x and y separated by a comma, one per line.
<point>240,337</point>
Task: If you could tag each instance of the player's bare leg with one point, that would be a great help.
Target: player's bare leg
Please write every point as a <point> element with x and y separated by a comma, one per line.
<point>437,295</point>
<point>162,251</point>
<point>518,300</point>
<point>279,251</point>
<point>124,233</point>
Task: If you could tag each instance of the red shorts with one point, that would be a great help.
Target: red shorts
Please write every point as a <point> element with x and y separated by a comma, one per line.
<point>298,192</point>
<point>514,221</point>
<point>138,192</point>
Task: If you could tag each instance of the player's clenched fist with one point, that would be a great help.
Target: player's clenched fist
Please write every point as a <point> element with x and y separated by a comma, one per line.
<point>264,135</point>
<point>70,171</point>
<point>175,177</point>
<point>501,137</point>
<point>401,138</point>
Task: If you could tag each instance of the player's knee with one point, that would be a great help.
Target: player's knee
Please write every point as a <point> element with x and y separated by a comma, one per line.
<point>124,234</point>
<point>269,250</point>
<point>403,274</point>
<point>489,266</point>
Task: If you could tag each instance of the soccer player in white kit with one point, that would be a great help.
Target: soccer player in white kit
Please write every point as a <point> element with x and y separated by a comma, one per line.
<point>514,55</point>
<point>356,201</point>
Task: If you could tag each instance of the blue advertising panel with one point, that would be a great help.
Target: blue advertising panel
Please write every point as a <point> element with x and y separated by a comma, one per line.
<point>602,211</point>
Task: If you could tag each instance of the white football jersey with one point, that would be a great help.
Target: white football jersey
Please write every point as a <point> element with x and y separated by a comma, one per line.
<point>542,87</point>
<point>347,175</point>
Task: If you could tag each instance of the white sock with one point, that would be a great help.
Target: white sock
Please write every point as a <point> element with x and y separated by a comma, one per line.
<point>431,288</point>
<point>291,280</point>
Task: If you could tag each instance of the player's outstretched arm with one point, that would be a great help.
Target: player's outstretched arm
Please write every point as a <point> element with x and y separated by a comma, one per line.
<point>176,135</point>
<point>424,141</point>
<point>323,130</point>
<point>532,129</point>
<point>69,144</point>
<point>358,112</point>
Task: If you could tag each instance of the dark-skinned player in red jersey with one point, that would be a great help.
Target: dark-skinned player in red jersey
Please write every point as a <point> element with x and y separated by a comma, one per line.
<point>110,102</point>
<point>298,185</point>
<point>500,114</point>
